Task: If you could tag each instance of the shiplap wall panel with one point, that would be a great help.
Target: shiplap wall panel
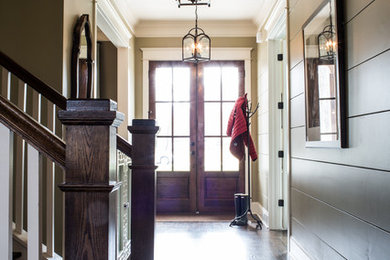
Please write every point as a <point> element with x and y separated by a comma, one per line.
<point>369,86</point>
<point>352,8</point>
<point>302,11</point>
<point>339,186</point>
<point>298,84</point>
<point>298,106</point>
<point>296,50</point>
<point>368,33</point>
<point>263,126</point>
<point>313,244</point>
<point>263,123</point>
<point>263,144</point>
<point>351,237</point>
<point>347,210</point>
<point>368,144</point>
<point>264,102</point>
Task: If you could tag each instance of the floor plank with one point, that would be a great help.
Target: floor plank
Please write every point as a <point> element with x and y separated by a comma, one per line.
<point>217,241</point>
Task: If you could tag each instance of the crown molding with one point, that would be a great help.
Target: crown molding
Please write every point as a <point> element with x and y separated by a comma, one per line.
<point>275,14</point>
<point>111,24</point>
<point>263,15</point>
<point>241,28</point>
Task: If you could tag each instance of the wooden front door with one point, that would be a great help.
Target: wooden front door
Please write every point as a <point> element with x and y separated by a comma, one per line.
<point>191,104</point>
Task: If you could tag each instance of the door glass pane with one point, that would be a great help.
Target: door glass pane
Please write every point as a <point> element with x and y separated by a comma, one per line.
<point>181,119</point>
<point>328,119</point>
<point>212,83</point>
<point>164,154</point>
<point>212,154</point>
<point>226,110</point>
<point>164,118</point>
<point>229,83</point>
<point>230,163</point>
<point>181,154</point>
<point>181,84</point>
<point>163,84</point>
<point>212,119</point>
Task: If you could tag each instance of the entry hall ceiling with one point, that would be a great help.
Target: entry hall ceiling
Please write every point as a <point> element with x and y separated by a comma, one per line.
<point>237,13</point>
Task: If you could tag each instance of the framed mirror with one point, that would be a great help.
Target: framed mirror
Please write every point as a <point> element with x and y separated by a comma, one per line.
<point>324,76</point>
<point>81,60</point>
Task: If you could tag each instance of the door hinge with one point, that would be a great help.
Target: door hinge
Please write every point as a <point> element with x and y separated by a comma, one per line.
<point>280,105</point>
<point>281,203</point>
<point>280,57</point>
<point>280,154</point>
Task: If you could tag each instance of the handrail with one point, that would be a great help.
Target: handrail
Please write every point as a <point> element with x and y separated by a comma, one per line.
<point>47,91</point>
<point>124,146</point>
<point>34,133</point>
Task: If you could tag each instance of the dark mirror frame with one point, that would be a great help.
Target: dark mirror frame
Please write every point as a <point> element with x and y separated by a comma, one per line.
<point>339,74</point>
<point>81,83</point>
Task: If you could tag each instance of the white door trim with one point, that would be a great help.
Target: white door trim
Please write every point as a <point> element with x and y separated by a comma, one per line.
<point>278,140</point>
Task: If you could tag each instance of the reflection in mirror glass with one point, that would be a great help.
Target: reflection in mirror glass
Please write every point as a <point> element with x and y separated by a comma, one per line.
<point>321,77</point>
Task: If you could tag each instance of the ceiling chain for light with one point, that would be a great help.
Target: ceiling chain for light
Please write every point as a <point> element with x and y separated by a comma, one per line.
<point>193,2</point>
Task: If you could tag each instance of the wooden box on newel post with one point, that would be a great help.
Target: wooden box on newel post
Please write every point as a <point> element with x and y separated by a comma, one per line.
<point>90,178</point>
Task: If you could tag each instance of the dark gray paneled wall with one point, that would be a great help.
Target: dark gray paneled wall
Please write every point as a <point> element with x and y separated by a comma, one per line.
<point>340,197</point>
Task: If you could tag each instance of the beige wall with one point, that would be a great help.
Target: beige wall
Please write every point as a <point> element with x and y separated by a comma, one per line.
<point>72,10</point>
<point>108,70</point>
<point>39,51</point>
<point>216,42</point>
<point>340,197</point>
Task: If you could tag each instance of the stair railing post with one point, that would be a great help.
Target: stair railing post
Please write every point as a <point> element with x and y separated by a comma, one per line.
<point>143,189</point>
<point>90,178</point>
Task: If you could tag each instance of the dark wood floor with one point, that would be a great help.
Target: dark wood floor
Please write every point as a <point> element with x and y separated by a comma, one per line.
<point>217,241</point>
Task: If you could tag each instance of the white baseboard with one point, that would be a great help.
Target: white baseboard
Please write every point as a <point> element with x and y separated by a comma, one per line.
<point>260,211</point>
<point>296,252</point>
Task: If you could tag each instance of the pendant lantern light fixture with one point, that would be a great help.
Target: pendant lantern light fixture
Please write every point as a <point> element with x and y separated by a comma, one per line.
<point>196,44</point>
<point>327,40</point>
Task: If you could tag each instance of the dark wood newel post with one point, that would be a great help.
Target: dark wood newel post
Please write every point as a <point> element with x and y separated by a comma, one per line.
<point>143,189</point>
<point>90,179</point>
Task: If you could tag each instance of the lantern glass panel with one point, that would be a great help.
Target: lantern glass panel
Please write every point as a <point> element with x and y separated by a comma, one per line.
<point>203,47</point>
<point>188,47</point>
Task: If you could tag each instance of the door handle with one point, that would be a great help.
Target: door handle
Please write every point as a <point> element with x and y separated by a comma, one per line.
<point>192,152</point>
<point>192,143</point>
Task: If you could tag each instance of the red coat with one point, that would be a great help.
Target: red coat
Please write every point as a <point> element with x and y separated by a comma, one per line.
<point>237,129</point>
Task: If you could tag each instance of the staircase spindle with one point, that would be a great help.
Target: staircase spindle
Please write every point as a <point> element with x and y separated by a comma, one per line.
<point>19,163</point>
<point>34,184</point>
<point>50,188</point>
<point>5,83</point>
<point>6,141</point>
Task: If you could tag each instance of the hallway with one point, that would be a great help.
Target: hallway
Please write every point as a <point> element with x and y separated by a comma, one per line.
<point>217,241</point>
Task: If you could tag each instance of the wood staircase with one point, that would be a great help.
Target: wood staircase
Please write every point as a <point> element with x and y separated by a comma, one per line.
<point>109,184</point>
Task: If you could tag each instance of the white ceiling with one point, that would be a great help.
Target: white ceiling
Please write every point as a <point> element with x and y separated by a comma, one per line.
<point>219,10</point>
<point>139,11</point>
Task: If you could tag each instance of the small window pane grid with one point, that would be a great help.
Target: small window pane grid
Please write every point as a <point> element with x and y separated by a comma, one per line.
<point>221,89</point>
<point>172,101</point>
<point>327,103</point>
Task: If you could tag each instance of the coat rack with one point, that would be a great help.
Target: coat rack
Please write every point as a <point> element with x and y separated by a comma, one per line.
<point>237,221</point>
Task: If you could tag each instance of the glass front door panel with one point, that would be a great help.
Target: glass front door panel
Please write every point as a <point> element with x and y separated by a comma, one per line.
<point>221,89</point>
<point>181,114</point>
<point>191,104</point>
<point>181,154</point>
<point>172,114</point>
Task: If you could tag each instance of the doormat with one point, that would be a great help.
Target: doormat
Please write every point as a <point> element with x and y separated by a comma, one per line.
<point>194,218</point>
